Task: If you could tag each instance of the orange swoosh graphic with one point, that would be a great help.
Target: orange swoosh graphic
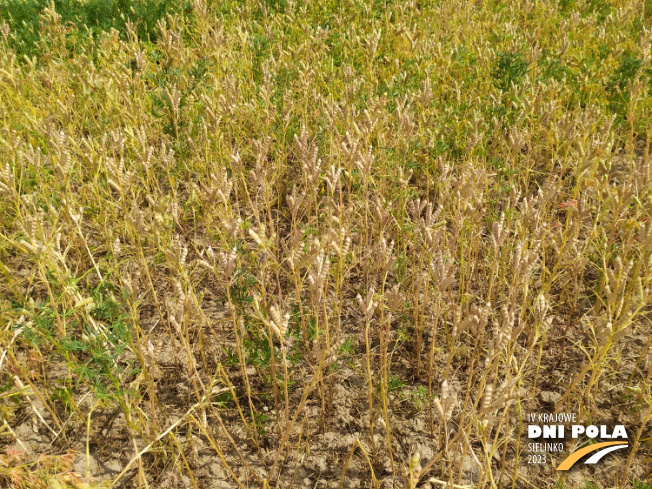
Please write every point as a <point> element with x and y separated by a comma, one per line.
<point>575,456</point>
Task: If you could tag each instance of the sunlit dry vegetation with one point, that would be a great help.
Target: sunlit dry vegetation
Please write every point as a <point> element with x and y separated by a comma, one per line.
<point>284,244</point>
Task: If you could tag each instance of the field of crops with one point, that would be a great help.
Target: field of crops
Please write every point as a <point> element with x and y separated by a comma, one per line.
<point>334,244</point>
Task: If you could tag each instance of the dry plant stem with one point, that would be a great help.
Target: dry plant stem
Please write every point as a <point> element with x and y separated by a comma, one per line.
<point>149,378</point>
<point>431,366</point>
<point>242,363</point>
<point>285,387</point>
<point>60,322</point>
<point>150,445</point>
<point>384,372</point>
<point>90,254</point>
<point>20,442</point>
<point>220,371</point>
<point>322,392</point>
<point>88,439</point>
<point>370,385</point>
<point>416,287</point>
<point>38,394</point>
<point>421,326</point>
<point>426,468</point>
<point>517,449</point>
<point>272,364</point>
<point>185,462</point>
<point>578,378</point>
<point>640,358</point>
<point>233,444</point>
<point>449,360</point>
<point>143,266</point>
<point>536,373</point>
<point>504,451</point>
<point>78,411</point>
<point>304,327</point>
<point>142,479</point>
<point>638,437</point>
<point>322,381</point>
<point>235,398</point>
<point>448,484</point>
<point>296,465</point>
<point>289,427</point>
<point>358,445</point>
<point>11,342</point>
<point>218,451</point>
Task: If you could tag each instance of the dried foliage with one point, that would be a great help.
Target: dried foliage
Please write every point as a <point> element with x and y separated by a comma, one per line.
<point>320,244</point>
